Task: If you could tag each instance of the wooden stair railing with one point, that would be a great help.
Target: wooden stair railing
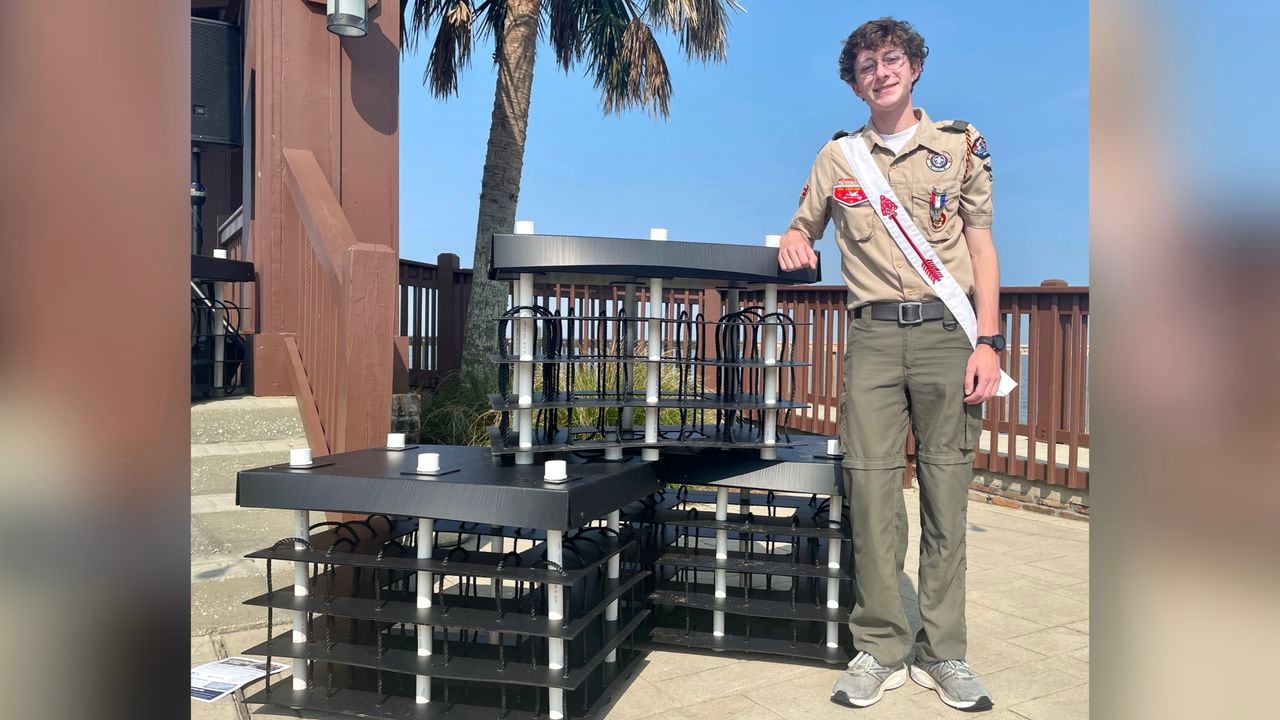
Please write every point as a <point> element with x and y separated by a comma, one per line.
<point>341,358</point>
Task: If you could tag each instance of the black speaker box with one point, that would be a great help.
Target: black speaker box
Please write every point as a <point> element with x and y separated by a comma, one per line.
<point>216,73</point>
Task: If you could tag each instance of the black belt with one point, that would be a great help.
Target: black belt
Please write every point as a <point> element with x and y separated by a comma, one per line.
<point>907,313</point>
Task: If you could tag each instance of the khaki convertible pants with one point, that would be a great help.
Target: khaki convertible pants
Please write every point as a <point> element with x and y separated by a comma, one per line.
<point>893,375</point>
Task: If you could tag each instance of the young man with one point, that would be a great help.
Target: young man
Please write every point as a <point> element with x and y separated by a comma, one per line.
<point>908,357</point>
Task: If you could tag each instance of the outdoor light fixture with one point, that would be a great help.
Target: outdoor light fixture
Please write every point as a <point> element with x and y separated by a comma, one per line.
<point>348,18</point>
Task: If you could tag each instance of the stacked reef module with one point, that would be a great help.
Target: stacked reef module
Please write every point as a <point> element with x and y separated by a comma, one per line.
<point>397,616</point>
<point>755,558</point>
<point>649,365</point>
<point>486,589</point>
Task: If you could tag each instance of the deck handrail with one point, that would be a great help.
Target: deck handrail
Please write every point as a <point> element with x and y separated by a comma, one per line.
<point>1046,324</point>
<point>345,334</point>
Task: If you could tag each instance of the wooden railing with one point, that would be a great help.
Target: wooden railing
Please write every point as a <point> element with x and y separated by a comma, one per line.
<point>432,307</point>
<point>1045,422</point>
<point>339,356</point>
<point>1038,431</point>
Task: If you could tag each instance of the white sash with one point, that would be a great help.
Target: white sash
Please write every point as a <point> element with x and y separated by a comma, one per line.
<point>912,242</point>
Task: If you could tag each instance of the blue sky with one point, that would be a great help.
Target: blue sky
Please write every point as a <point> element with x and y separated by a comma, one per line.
<point>729,164</point>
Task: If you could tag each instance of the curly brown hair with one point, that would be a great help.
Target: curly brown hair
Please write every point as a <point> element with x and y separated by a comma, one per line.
<point>875,34</point>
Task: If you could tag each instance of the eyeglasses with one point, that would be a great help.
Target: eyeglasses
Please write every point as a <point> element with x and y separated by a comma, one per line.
<point>892,61</point>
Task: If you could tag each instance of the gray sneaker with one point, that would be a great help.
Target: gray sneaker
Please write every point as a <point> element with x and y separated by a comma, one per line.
<point>865,681</point>
<point>955,683</point>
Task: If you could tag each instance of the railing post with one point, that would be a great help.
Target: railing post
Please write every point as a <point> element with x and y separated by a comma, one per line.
<point>367,333</point>
<point>711,306</point>
<point>449,323</point>
<point>1048,382</point>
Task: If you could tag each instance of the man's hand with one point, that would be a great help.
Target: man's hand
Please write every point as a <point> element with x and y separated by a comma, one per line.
<point>981,375</point>
<point>794,252</point>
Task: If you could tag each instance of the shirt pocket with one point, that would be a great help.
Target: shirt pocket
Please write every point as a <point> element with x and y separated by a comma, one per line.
<point>855,223</point>
<point>943,223</point>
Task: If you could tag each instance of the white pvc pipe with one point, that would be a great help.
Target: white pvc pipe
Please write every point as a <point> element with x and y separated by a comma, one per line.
<point>302,531</point>
<point>631,307</point>
<point>426,548</point>
<point>614,571</point>
<point>524,368</point>
<point>833,562</point>
<point>652,386</point>
<point>722,553</point>
<point>555,611</point>
<point>219,331</point>
<point>770,373</point>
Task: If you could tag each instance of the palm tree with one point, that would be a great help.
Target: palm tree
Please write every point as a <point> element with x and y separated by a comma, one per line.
<point>613,38</point>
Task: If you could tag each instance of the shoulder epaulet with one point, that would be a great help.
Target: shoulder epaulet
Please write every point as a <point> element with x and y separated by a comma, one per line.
<point>954,125</point>
<point>839,134</point>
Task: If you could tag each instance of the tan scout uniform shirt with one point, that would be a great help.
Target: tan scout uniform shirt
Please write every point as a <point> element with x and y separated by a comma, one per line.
<point>939,157</point>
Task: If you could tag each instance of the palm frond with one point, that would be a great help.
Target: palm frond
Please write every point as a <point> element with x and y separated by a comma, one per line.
<point>421,14</point>
<point>493,23</point>
<point>702,26</point>
<point>566,30</point>
<point>451,50</point>
<point>648,82</point>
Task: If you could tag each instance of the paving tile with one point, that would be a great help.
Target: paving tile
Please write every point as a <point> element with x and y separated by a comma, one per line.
<point>731,679</point>
<point>988,654</point>
<point>807,697</point>
<point>1075,564</point>
<point>989,578</point>
<point>639,699</point>
<point>224,709</point>
<point>1047,578</point>
<point>1082,654</point>
<point>1052,641</point>
<point>1053,549</point>
<point>663,664</point>
<point>988,622</point>
<point>1031,603</point>
<point>1078,591</point>
<point>1034,680</point>
<point>1069,704</point>
<point>735,707</point>
<point>1075,531</point>
<point>1081,626</point>
<point>202,650</point>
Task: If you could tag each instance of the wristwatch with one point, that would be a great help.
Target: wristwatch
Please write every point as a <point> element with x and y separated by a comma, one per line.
<point>995,341</point>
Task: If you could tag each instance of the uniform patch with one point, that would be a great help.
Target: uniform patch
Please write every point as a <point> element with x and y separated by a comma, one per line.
<point>849,194</point>
<point>979,147</point>
<point>939,162</point>
<point>804,193</point>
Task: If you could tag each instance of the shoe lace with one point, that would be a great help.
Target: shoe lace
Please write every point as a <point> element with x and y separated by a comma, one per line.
<point>958,669</point>
<point>863,662</point>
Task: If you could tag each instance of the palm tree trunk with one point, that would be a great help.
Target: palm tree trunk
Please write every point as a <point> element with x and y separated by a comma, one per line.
<point>500,184</point>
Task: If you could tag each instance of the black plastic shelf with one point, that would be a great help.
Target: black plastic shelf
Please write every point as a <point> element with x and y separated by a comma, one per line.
<point>364,702</point>
<point>402,608</point>
<point>467,661</point>
<point>746,440</point>
<point>759,525</point>
<point>751,362</point>
<point>664,320</point>
<point>742,402</point>
<point>737,562</point>
<point>649,507</point>
<point>763,603</point>
<point>487,530</point>
<point>478,564</point>
<point>732,643</point>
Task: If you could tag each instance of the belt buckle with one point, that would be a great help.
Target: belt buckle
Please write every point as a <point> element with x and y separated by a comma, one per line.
<point>910,313</point>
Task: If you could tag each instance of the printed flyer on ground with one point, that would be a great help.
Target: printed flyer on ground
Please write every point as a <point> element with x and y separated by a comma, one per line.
<point>213,681</point>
